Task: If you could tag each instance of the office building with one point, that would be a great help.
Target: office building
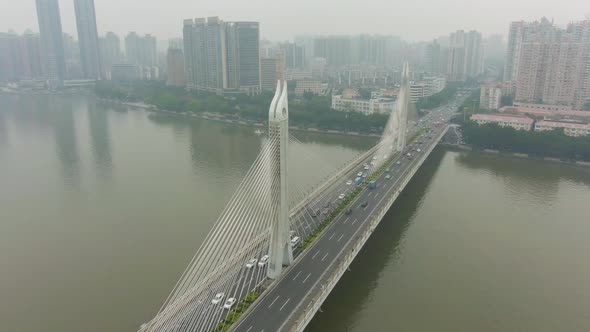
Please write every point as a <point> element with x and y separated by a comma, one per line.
<point>518,122</point>
<point>465,58</point>
<point>175,65</point>
<point>268,74</point>
<point>88,39</point>
<point>243,56</point>
<point>222,57</point>
<point>52,49</point>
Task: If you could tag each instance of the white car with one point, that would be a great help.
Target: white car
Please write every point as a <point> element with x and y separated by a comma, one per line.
<point>229,303</point>
<point>263,260</point>
<point>388,176</point>
<point>349,182</point>
<point>398,162</point>
<point>359,174</point>
<point>341,196</point>
<point>418,150</point>
<point>251,263</point>
<point>295,241</point>
<point>375,158</point>
<point>218,297</point>
<point>366,168</point>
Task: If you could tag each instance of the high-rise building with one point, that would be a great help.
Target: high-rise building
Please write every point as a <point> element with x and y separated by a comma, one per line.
<point>433,57</point>
<point>88,39</point>
<point>52,50</point>
<point>552,64</point>
<point>465,58</point>
<point>110,52</point>
<point>141,51</point>
<point>175,65</point>
<point>20,57</point>
<point>222,56</point>
<point>268,74</point>
<point>336,50</point>
<point>243,56</point>
<point>294,55</point>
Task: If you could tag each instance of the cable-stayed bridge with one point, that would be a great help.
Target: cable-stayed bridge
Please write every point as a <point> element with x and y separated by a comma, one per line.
<point>279,246</point>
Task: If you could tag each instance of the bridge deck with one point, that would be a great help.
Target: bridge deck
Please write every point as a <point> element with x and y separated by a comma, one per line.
<point>279,307</point>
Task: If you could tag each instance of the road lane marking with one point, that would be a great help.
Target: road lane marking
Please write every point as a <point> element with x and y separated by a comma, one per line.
<point>289,299</point>
<point>340,238</point>
<point>330,238</point>
<point>346,220</point>
<point>370,194</point>
<point>297,275</point>
<point>354,221</point>
<point>324,257</point>
<point>248,330</point>
<point>304,280</point>
<point>273,302</point>
<point>312,257</point>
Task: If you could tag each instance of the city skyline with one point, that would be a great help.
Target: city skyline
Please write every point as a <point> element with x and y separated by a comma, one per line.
<point>275,26</point>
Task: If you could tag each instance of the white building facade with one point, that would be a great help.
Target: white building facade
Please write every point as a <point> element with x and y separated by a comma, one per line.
<point>569,128</point>
<point>364,106</point>
<point>517,122</point>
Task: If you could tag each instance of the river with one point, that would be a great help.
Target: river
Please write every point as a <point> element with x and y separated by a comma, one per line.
<point>102,207</point>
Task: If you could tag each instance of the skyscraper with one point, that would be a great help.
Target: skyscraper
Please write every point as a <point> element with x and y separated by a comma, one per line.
<point>52,50</point>
<point>465,58</point>
<point>110,51</point>
<point>88,39</point>
<point>268,74</point>
<point>433,57</point>
<point>245,59</point>
<point>222,55</point>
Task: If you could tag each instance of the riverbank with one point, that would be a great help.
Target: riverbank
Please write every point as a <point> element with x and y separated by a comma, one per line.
<point>241,122</point>
<point>468,148</point>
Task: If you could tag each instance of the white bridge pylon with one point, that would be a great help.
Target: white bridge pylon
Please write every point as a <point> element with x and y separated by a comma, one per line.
<point>278,130</point>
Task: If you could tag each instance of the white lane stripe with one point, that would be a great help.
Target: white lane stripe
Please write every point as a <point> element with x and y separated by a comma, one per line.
<point>248,330</point>
<point>285,304</point>
<point>340,238</point>
<point>297,275</point>
<point>312,257</point>
<point>354,221</point>
<point>330,238</point>
<point>304,280</point>
<point>324,257</point>
<point>273,302</point>
<point>346,220</point>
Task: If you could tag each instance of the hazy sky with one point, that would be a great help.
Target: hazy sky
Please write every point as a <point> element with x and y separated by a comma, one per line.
<point>280,20</point>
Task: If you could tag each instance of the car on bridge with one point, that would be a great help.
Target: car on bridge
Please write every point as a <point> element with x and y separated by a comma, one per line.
<point>263,261</point>
<point>348,211</point>
<point>349,182</point>
<point>364,204</point>
<point>398,162</point>
<point>229,303</point>
<point>388,176</point>
<point>341,196</point>
<point>251,263</point>
<point>359,174</point>
<point>295,241</point>
<point>218,297</point>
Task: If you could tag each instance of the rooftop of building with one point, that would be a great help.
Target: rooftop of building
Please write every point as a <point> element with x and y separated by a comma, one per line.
<point>563,124</point>
<point>503,117</point>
